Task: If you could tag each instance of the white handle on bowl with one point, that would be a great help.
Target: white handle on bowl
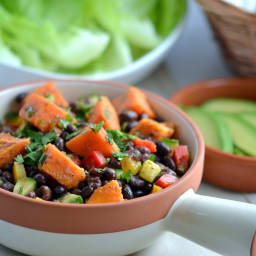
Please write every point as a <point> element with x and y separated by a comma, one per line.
<point>224,226</point>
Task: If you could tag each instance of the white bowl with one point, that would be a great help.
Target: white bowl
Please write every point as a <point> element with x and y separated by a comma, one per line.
<point>130,74</point>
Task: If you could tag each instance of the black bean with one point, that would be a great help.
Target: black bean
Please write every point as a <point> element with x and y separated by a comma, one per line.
<point>8,167</point>
<point>129,125</point>
<point>95,172</point>
<point>127,192</point>
<point>120,183</point>
<point>44,192</point>
<point>145,157</point>
<point>1,172</point>
<point>94,182</point>
<point>86,192</point>
<point>60,190</point>
<point>109,174</point>
<point>143,115</point>
<point>31,169</point>
<point>40,178</point>
<point>31,194</point>
<point>20,97</point>
<point>82,184</point>
<point>7,186</point>
<point>8,176</point>
<point>71,128</point>
<point>159,119</point>
<point>148,187</point>
<point>76,191</point>
<point>60,143</point>
<point>163,167</point>
<point>157,158</point>
<point>128,115</point>
<point>3,179</point>
<point>136,182</point>
<point>168,161</point>
<point>162,148</point>
<point>64,135</point>
<point>138,193</point>
<point>33,172</point>
<point>130,145</point>
<point>114,163</point>
<point>104,182</point>
<point>143,149</point>
<point>135,154</point>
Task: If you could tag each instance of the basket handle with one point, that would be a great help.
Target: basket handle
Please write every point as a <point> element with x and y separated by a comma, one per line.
<point>224,226</point>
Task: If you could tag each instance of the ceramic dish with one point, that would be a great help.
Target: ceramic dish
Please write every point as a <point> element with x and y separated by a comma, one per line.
<point>131,74</point>
<point>223,169</point>
<point>38,227</point>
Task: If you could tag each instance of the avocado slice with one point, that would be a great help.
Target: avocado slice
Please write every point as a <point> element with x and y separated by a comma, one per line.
<point>71,198</point>
<point>243,133</point>
<point>249,117</point>
<point>238,151</point>
<point>24,186</point>
<point>229,105</point>
<point>214,132</point>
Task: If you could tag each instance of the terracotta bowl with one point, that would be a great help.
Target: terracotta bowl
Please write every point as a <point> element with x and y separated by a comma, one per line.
<point>223,169</point>
<point>19,215</point>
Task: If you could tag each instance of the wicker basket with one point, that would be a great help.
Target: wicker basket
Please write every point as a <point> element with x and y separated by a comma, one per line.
<point>235,30</point>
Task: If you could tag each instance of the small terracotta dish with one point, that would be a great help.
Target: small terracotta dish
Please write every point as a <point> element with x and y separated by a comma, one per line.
<point>38,227</point>
<point>223,169</point>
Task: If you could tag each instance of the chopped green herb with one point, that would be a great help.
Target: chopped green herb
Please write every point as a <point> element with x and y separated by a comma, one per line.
<point>108,159</point>
<point>1,181</point>
<point>69,118</point>
<point>106,113</point>
<point>41,123</point>
<point>96,128</point>
<point>110,139</point>
<point>126,176</point>
<point>30,111</point>
<point>119,155</point>
<point>152,157</point>
<point>32,158</point>
<point>19,159</point>
<point>182,169</point>
<point>10,115</point>
<point>50,97</point>
<point>62,123</point>
<point>42,159</point>
<point>73,134</point>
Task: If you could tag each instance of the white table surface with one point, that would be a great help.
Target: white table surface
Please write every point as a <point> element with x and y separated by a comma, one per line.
<point>194,57</point>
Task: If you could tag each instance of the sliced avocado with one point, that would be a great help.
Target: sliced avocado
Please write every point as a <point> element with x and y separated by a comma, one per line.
<point>243,133</point>
<point>249,117</point>
<point>214,132</point>
<point>238,151</point>
<point>229,105</point>
<point>71,198</point>
<point>24,186</point>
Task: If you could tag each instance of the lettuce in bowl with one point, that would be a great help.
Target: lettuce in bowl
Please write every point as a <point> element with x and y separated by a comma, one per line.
<point>84,36</point>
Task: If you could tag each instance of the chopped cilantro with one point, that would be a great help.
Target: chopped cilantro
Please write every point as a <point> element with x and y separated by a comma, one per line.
<point>108,159</point>
<point>152,157</point>
<point>96,128</point>
<point>106,113</point>
<point>32,158</point>
<point>30,111</point>
<point>62,123</point>
<point>42,159</point>
<point>73,134</point>
<point>110,139</point>
<point>119,155</point>
<point>50,97</point>
<point>182,169</point>
<point>121,175</point>
<point>19,159</point>
<point>69,118</point>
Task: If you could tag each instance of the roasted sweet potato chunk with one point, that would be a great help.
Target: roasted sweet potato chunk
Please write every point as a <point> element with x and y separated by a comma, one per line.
<point>61,168</point>
<point>10,147</point>
<point>154,129</point>
<point>109,193</point>
<point>49,91</point>
<point>89,140</point>
<point>104,111</point>
<point>134,100</point>
<point>41,112</point>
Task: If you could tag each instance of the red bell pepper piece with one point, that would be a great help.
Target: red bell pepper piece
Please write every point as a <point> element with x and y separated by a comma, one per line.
<point>94,160</point>
<point>166,180</point>
<point>181,158</point>
<point>145,143</point>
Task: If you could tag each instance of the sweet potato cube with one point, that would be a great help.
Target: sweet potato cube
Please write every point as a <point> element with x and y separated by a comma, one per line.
<point>104,111</point>
<point>41,112</point>
<point>134,100</point>
<point>109,193</point>
<point>61,168</point>
<point>49,90</point>
<point>152,128</point>
<point>10,147</point>
<point>89,140</point>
